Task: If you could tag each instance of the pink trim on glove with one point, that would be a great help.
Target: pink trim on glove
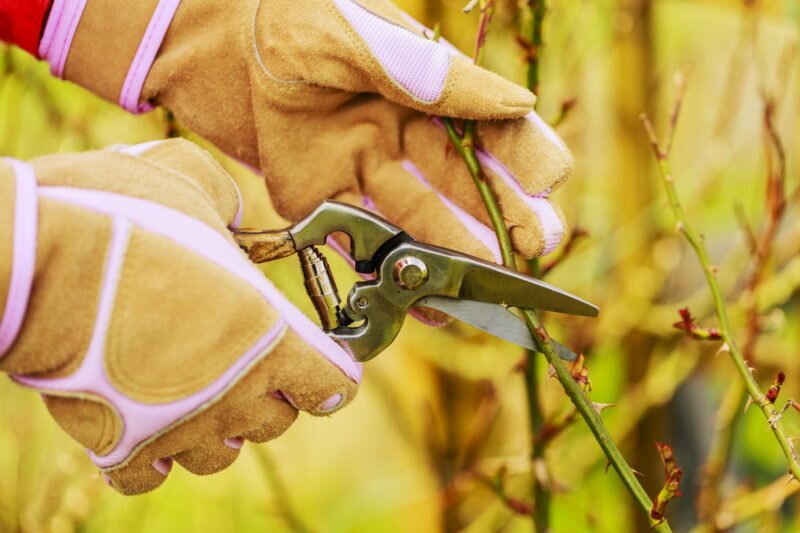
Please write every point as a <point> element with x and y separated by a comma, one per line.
<point>208,243</point>
<point>237,220</point>
<point>24,259</point>
<point>416,64</point>
<point>140,149</point>
<point>59,32</point>
<point>552,228</point>
<point>546,129</point>
<point>140,422</point>
<point>145,55</point>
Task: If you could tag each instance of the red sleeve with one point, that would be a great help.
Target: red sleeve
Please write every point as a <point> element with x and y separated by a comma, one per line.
<point>21,22</point>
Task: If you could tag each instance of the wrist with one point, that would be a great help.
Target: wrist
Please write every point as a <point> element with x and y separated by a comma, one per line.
<point>104,48</point>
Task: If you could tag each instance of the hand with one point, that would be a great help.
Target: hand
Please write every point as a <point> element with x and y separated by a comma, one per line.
<point>333,99</point>
<point>149,333</point>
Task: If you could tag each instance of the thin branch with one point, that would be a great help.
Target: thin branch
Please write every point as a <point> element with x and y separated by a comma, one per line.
<point>566,107</point>
<point>747,229</point>
<point>536,417</point>
<point>708,498</point>
<point>760,246</point>
<point>680,85</point>
<point>465,146</point>
<point>285,506</point>
<point>749,505</point>
<point>720,307</point>
<point>537,8</point>
<point>573,390</point>
<point>487,10</point>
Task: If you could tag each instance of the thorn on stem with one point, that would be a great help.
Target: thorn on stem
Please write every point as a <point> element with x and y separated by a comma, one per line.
<point>635,472</point>
<point>748,403</point>
<point>470,6</point>
<point>600,407</point>
<point>542,335</point>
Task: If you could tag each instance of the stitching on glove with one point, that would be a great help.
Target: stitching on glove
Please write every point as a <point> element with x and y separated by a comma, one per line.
<point>281,328</point>
<point>125,377</point>
<point>145,55</point>
<point>24,254</point>
<point>111,424</point>
<point>59,33</point>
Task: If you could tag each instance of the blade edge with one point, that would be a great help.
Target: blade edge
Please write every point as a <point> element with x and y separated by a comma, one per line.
<point>503,324</point>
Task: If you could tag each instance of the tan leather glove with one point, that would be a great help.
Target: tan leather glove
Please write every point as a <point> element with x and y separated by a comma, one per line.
<point>329,99</point>
<point>125,301</point>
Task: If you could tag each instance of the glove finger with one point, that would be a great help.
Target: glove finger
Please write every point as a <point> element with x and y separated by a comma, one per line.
<point>207,194</point>
<point>139,476</point>
<point>533,163</point>
<point>308,380</point>
<point>400,192</point>
<point>197,165</point>
<point>261,407</point>
<point>209,456</point>
<point>371,46</point>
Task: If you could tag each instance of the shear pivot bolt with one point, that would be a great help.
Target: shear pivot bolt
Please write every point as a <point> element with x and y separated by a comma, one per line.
<point>410,273</point>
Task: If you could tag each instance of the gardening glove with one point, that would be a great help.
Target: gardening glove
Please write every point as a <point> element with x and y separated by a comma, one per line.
<point>328,99</point>
<point>125,301</point>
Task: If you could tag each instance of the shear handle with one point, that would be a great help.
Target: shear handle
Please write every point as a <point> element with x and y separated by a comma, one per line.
<point>368,233</point>
<point>263,246</point>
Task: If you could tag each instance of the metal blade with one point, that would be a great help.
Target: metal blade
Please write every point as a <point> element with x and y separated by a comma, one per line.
<point>498,285</point>
<point>493,319</point>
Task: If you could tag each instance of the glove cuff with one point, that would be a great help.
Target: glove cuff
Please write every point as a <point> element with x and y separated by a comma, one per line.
<point>110,50</point>
<point>18,233</point>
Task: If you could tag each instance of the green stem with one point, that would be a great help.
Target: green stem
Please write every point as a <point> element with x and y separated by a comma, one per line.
<point>467,152</point>
<point>571,387</point>
<point>537,8</point>
<point>541,493</point>
<point>280,492</point>
<point>719,453</point>
<point>696,242</point>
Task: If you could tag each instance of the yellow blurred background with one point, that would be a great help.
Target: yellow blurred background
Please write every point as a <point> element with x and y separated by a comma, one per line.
<point>443,407</point>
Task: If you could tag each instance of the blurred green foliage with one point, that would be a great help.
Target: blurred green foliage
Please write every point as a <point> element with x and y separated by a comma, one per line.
<point>442,407</point>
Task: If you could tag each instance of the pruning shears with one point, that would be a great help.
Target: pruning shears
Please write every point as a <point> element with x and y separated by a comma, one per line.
<point>405,273</point>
